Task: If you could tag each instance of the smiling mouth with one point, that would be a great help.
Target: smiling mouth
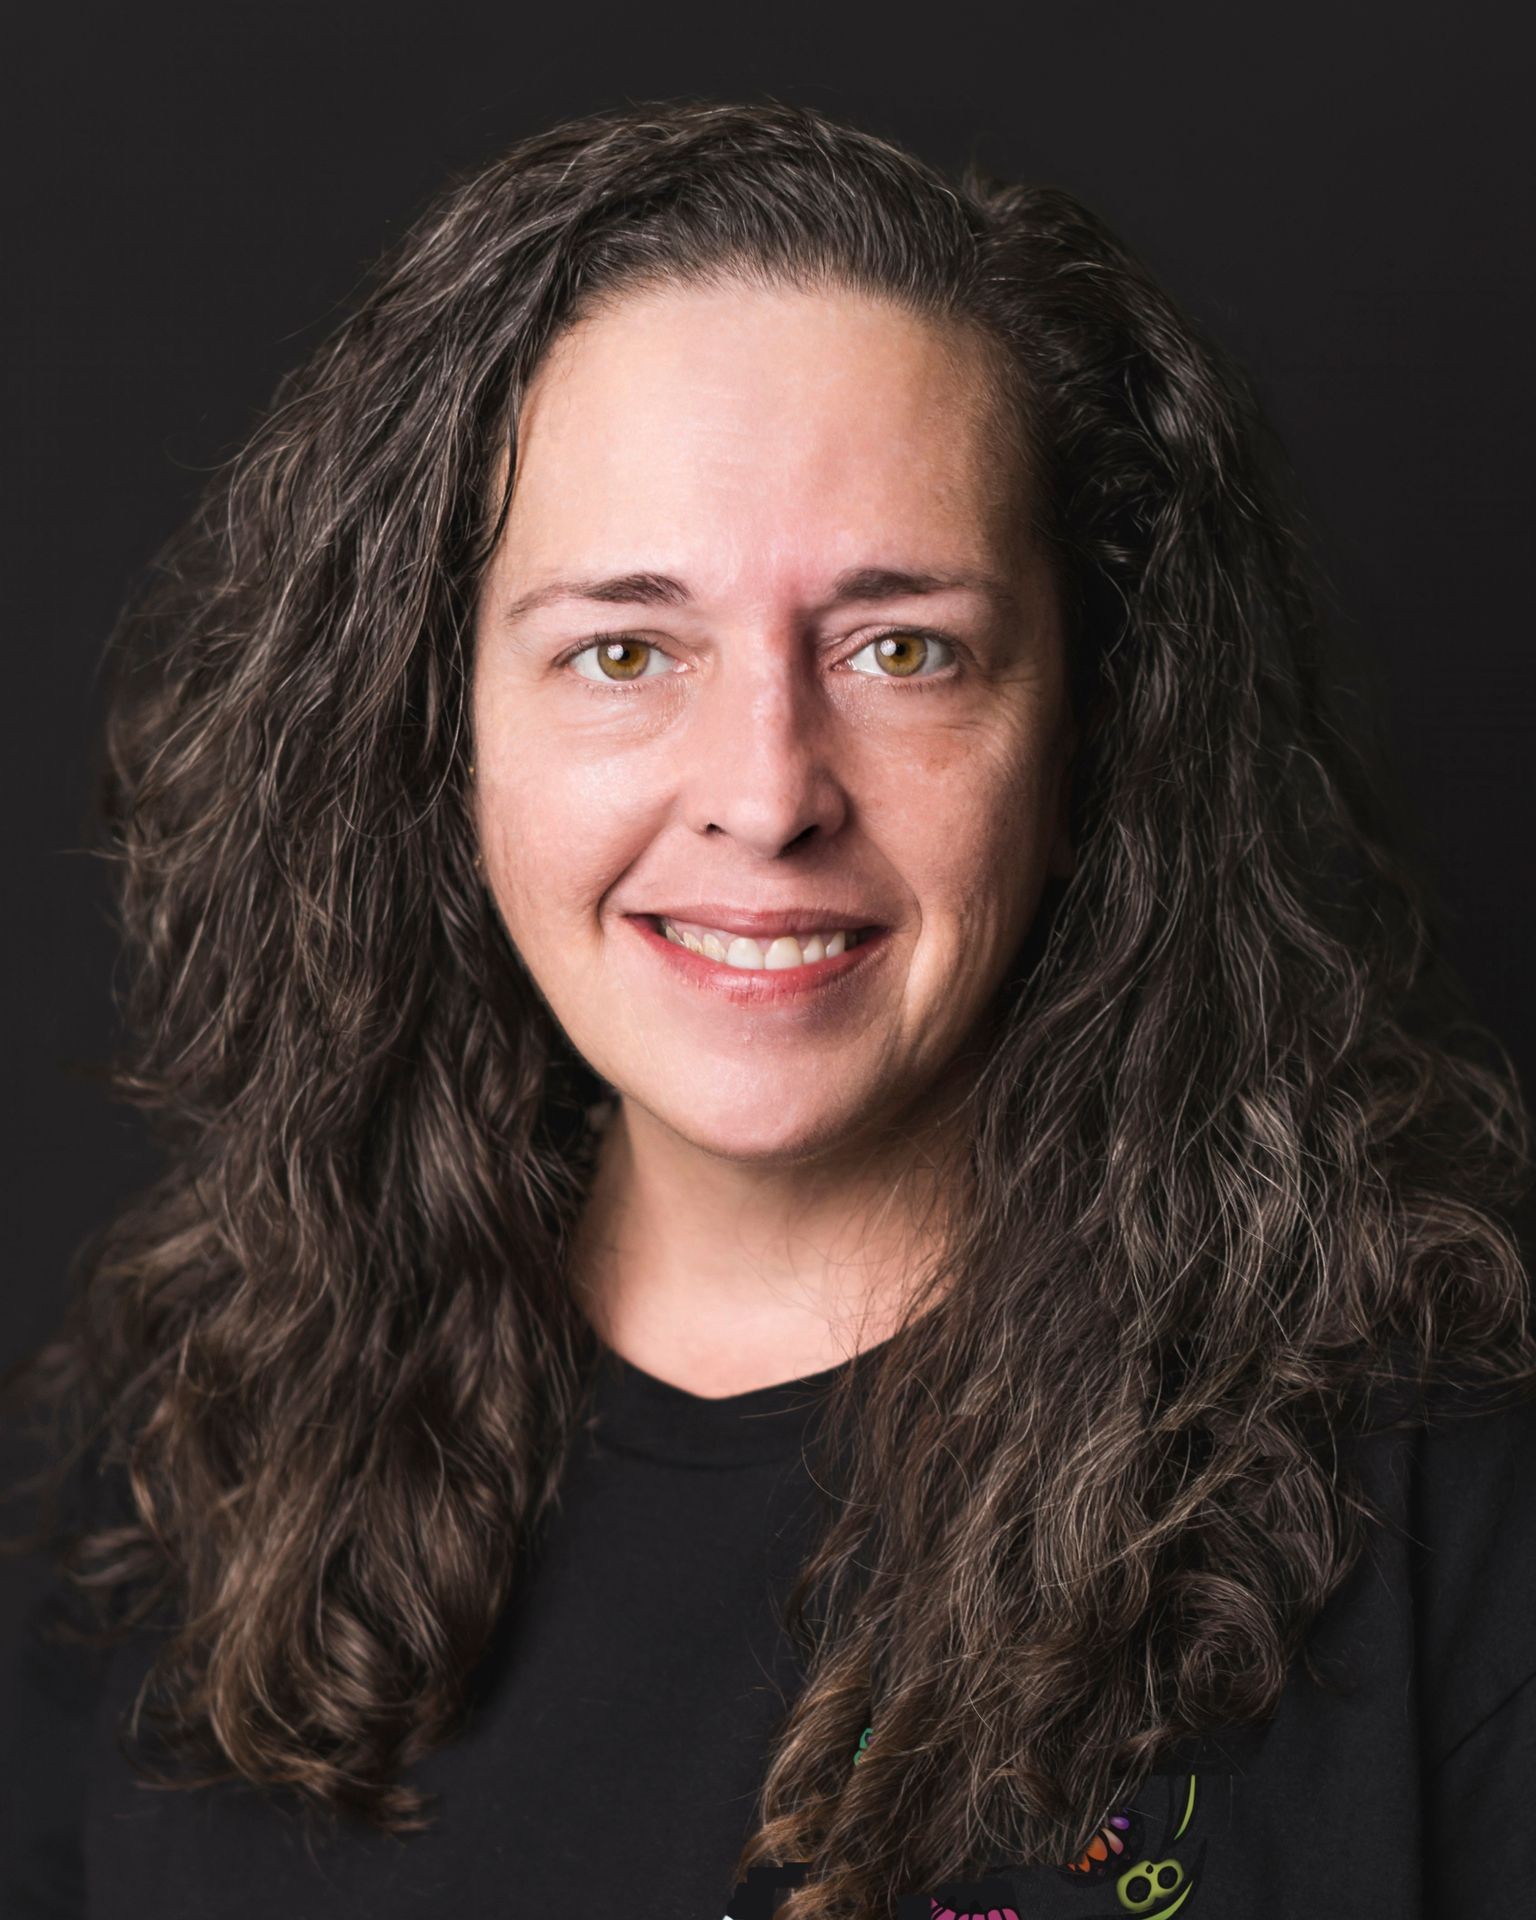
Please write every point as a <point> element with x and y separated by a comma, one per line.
<point>739,951</point>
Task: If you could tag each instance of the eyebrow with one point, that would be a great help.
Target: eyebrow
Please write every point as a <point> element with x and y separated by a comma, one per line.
<point>854,584</point>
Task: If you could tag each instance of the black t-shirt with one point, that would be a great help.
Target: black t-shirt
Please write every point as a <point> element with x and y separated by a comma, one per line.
<point>622,1719</point>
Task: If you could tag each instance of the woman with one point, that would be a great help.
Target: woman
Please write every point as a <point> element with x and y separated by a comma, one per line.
<point>831,1243</point>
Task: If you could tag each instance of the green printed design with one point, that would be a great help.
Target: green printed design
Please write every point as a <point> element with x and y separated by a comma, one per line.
<point>1147,1881</point>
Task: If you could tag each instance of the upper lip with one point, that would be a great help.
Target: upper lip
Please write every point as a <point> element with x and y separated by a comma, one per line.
<point>764,923</point>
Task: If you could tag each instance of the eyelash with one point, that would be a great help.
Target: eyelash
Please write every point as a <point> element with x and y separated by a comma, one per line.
<point>944,674</point>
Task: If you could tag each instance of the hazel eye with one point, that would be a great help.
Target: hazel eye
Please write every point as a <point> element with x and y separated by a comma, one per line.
<point>905,656</point>
<point>617,660</point>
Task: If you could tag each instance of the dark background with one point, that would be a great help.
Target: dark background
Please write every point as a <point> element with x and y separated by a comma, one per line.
<point>1342,194</point>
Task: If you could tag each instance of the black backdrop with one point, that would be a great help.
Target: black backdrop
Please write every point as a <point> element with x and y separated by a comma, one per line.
<point>1340,192</point>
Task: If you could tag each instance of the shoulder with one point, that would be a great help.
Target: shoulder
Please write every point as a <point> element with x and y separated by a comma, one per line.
<point>1473,1522</point>
<point>1473,1494</point>
<point>1479,1443</point>
<point>51,1696</point>
<point>46,1612</point>
<point>1456,1487</point>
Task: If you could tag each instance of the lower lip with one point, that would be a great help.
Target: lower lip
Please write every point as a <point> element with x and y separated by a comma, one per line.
<point>759,986</point>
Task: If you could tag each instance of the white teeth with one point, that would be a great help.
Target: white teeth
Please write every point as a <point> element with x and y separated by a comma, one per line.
<point>736,950</point>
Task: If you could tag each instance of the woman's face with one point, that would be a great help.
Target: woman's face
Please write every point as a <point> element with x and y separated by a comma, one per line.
<point>765,650</point>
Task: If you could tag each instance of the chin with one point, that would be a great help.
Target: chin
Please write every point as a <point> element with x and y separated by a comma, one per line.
<point>765,1133</point>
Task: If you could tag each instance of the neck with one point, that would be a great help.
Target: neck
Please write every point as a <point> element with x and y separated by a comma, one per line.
<point>720,1277</point>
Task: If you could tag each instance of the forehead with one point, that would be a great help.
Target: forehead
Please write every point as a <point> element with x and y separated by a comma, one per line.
<point>721,424</point>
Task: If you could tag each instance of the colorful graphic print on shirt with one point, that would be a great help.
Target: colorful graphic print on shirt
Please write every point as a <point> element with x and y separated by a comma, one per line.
<point>1146,1861</point>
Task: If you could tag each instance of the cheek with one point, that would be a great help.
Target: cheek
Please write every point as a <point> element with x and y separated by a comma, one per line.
<point>555,836</point>
<point>529,814</point>
<point>977,831</point>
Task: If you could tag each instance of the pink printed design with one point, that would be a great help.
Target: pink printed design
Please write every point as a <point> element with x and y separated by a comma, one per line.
<point>991,1913</point>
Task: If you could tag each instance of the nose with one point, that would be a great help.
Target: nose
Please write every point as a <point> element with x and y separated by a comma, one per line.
<point>759,759</point>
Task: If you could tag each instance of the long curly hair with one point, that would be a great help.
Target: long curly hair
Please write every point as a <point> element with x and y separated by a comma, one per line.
<point>1243,1161</point>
